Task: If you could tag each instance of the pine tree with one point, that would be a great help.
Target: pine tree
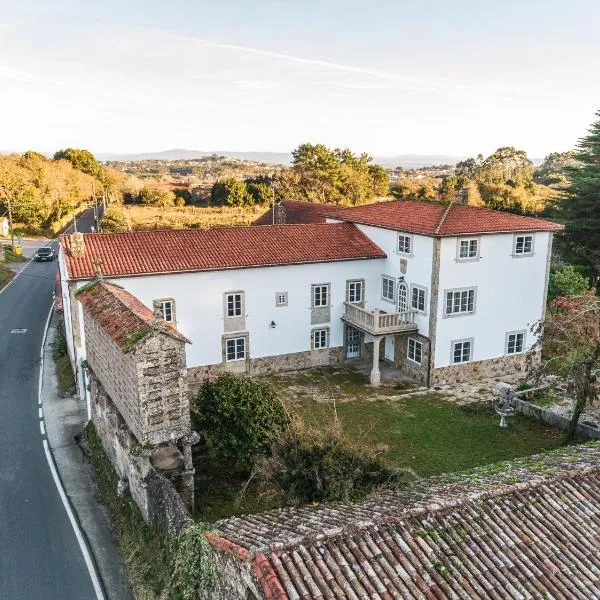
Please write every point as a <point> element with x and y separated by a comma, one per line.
<point>579,206</point>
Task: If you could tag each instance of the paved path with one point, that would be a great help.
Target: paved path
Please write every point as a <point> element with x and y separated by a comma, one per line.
<point>40,557</point>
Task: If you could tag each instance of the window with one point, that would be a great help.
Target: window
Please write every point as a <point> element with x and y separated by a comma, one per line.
<point>417,298</point>
<point>462,351</point>
<point>468,249</point>
<point>355,292</point>
<point>460,301</point>
<point>281,299</point>
<point>515,342</point>
<point>166,308</point>
<point>523,245</point>
<point>387,288</point>
<point>402,297</point>
<point>236,349</point>
<point>319,339</point>
<point>320,295</point>
<point>415,351</point>
<point>234,304</point>
<point>404,244</point>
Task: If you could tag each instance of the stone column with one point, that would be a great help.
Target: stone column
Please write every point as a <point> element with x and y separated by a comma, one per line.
<point>375,374</point>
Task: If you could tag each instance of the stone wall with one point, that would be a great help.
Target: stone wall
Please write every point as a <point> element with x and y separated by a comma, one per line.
<point>416,371</point>
<point>482,369</point>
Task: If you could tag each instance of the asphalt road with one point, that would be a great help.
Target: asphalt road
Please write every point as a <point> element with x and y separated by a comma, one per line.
<point>39,555</point>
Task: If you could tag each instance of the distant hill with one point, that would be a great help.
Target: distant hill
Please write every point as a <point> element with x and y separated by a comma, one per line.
<point>407,161</point>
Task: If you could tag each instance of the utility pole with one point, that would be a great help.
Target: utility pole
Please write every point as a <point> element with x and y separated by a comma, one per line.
<point>10,226</point>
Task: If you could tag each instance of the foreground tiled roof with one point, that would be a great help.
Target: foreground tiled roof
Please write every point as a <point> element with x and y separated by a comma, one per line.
<point>525,529</point>
<point>121,315</point>
<point>297,212</point>
<point>176,251</point>
<point>437,219</point>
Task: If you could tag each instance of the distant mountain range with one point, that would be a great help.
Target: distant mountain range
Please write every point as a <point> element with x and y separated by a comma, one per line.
<point>406,161</point>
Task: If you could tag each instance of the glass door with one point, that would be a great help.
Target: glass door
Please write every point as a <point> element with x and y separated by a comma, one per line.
<point>352,342</point>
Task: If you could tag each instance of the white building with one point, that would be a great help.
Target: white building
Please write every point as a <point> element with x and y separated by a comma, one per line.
<point>444,293</point>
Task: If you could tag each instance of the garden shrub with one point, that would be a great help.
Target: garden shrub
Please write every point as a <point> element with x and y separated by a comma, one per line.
<point>239,418</point>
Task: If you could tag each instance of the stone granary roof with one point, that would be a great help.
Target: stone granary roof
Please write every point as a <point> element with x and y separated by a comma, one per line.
<point>524,529</point>
<point>121,315</point>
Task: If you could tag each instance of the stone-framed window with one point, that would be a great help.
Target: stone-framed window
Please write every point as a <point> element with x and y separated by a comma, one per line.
<point>523,245</point>
<point>320,338</point>
<point>515,342</point>
<point>281,299</point>
<point>461,351</point>
<point>388,288</point>
<point>355,291</point>
<point>235,349</point>
<point>460,301</point>
<point>405,244</point>
<point>320,295</point>
<point>418,298</point>
<point>234,304</point>
<point>467,249</point>
<point>414,351</point>
<point>165,308</point>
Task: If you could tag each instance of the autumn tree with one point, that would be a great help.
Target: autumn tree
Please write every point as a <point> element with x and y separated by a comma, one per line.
<point>230,192</point>
<point>82,160</point>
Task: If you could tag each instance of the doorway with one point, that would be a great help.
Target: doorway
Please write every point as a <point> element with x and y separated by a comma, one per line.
<point>352,342</point>
<point>389,352</point>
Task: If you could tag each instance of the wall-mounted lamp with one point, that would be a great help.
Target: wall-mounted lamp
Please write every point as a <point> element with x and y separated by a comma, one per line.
<point>273,324</point>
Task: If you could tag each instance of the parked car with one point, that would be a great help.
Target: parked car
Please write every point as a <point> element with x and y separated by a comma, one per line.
<point>45,253</point>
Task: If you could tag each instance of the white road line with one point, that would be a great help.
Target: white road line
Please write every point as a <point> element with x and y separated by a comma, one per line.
<point>42,428</point>
<point>40,414</point>
<point>16,275</point>
<point>91,567</point>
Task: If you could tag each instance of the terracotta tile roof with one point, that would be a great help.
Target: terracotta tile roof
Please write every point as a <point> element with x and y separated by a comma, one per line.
<point>524,529</point>
<point>176,251</point>
<point>121,315</point>
<point>297,212</point>
<point>437,219</point>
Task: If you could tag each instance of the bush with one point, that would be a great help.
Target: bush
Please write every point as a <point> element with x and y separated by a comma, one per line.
<point>312,465</point>
<point>115,220</point>
<point>239,418</point>
<point>567,281</point>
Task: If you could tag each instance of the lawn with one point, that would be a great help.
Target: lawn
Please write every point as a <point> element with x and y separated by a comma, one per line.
<point>432,435</point>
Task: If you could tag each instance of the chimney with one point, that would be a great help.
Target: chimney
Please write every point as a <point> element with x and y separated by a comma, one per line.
<point>77,244</point>
<point>462,196</point>
<point>278,213</point>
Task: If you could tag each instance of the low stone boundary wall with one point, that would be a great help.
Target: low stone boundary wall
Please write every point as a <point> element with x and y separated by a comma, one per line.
<point>551,418</point>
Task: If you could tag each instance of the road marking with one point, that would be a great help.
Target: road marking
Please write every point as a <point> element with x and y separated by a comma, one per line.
<point>42,428</point>
<point>16,275</point>
<point>40,414</point>
<point>87,557</point>
<point>18,330</point>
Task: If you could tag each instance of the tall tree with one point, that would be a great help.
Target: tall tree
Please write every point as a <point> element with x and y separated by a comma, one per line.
<point>579,205</point>
<point>82,160</point>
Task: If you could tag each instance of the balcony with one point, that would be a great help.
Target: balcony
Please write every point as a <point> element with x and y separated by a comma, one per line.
<point>377,322</point>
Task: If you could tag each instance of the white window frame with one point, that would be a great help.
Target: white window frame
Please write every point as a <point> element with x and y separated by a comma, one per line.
<point>161,304</point>
<point>418,288</point>
<point>467,243</point>
<point>236,349</point>
<point>524,236</point>
<point>233,295</point>
<point>453,345</point>
<point>404,295</point>
<point>321,287</point>
<point>353,283</point>
<point>392,281</point>
<point>413,345</point>
<point>281,299</point>
<point>521,332</point>
<point>322,333</point>
<point>404,244</point>
<point>460,292</point>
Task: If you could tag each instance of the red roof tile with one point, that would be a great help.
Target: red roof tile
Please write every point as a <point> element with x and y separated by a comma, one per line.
<point>437,219</point>
<point>121,315</point>
<point>297,212</point>
<point>176,251</point>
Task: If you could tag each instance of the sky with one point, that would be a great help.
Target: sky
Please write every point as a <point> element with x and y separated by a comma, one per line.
<point>386,77</point>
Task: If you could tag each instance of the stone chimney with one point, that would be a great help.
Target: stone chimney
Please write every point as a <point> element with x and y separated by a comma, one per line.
<point>77,244</point>
<point>461,196</point>
<point>278,213</point>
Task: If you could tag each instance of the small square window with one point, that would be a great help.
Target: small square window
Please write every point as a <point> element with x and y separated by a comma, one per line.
<point>388,291</point>
<point>523,245</point>
<point>355,292</point>
<point>319,339</point>
<point>461,351</point>
<point>417,301</point>
<point>515,342</point>
<point>468,249</point>
<point>404,244</point>
<point>234,305</point>
<point>236,349</point>
<point>281,299</point>
<point>415,351</point>
<point>320,295</point>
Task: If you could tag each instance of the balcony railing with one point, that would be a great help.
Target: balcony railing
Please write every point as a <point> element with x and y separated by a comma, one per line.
<point>377,322</point>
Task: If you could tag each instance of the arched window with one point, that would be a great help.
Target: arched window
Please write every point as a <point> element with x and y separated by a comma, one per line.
<point>402,297</point>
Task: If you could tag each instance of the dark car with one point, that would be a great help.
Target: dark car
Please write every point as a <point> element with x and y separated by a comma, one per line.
<point>45,253</point>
